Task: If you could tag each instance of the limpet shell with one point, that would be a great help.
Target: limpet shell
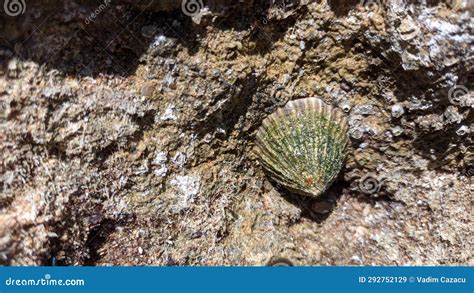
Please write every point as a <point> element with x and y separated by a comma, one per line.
<point>302,146</point>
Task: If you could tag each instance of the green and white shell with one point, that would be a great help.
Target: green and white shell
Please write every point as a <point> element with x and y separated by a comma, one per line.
<point>303,145</point>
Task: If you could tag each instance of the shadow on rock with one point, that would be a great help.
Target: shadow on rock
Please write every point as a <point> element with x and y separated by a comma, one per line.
<point>314,209</point>
<point>88,39</point>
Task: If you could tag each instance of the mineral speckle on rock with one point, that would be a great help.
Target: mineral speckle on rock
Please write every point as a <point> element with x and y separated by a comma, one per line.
<point>132,147</point>
<point>188,187</point>
<point>397,110</point>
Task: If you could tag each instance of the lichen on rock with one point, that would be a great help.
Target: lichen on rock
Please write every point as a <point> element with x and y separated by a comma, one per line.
<point>133,146</point>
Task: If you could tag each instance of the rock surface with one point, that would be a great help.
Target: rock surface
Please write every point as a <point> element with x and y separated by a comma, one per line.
<point>127,132</point>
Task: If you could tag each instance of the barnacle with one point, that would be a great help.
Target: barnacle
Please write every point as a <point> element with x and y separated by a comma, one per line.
<point>302,146</point>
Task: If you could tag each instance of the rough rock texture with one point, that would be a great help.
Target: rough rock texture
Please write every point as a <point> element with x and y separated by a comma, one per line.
<point>127,132</point>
